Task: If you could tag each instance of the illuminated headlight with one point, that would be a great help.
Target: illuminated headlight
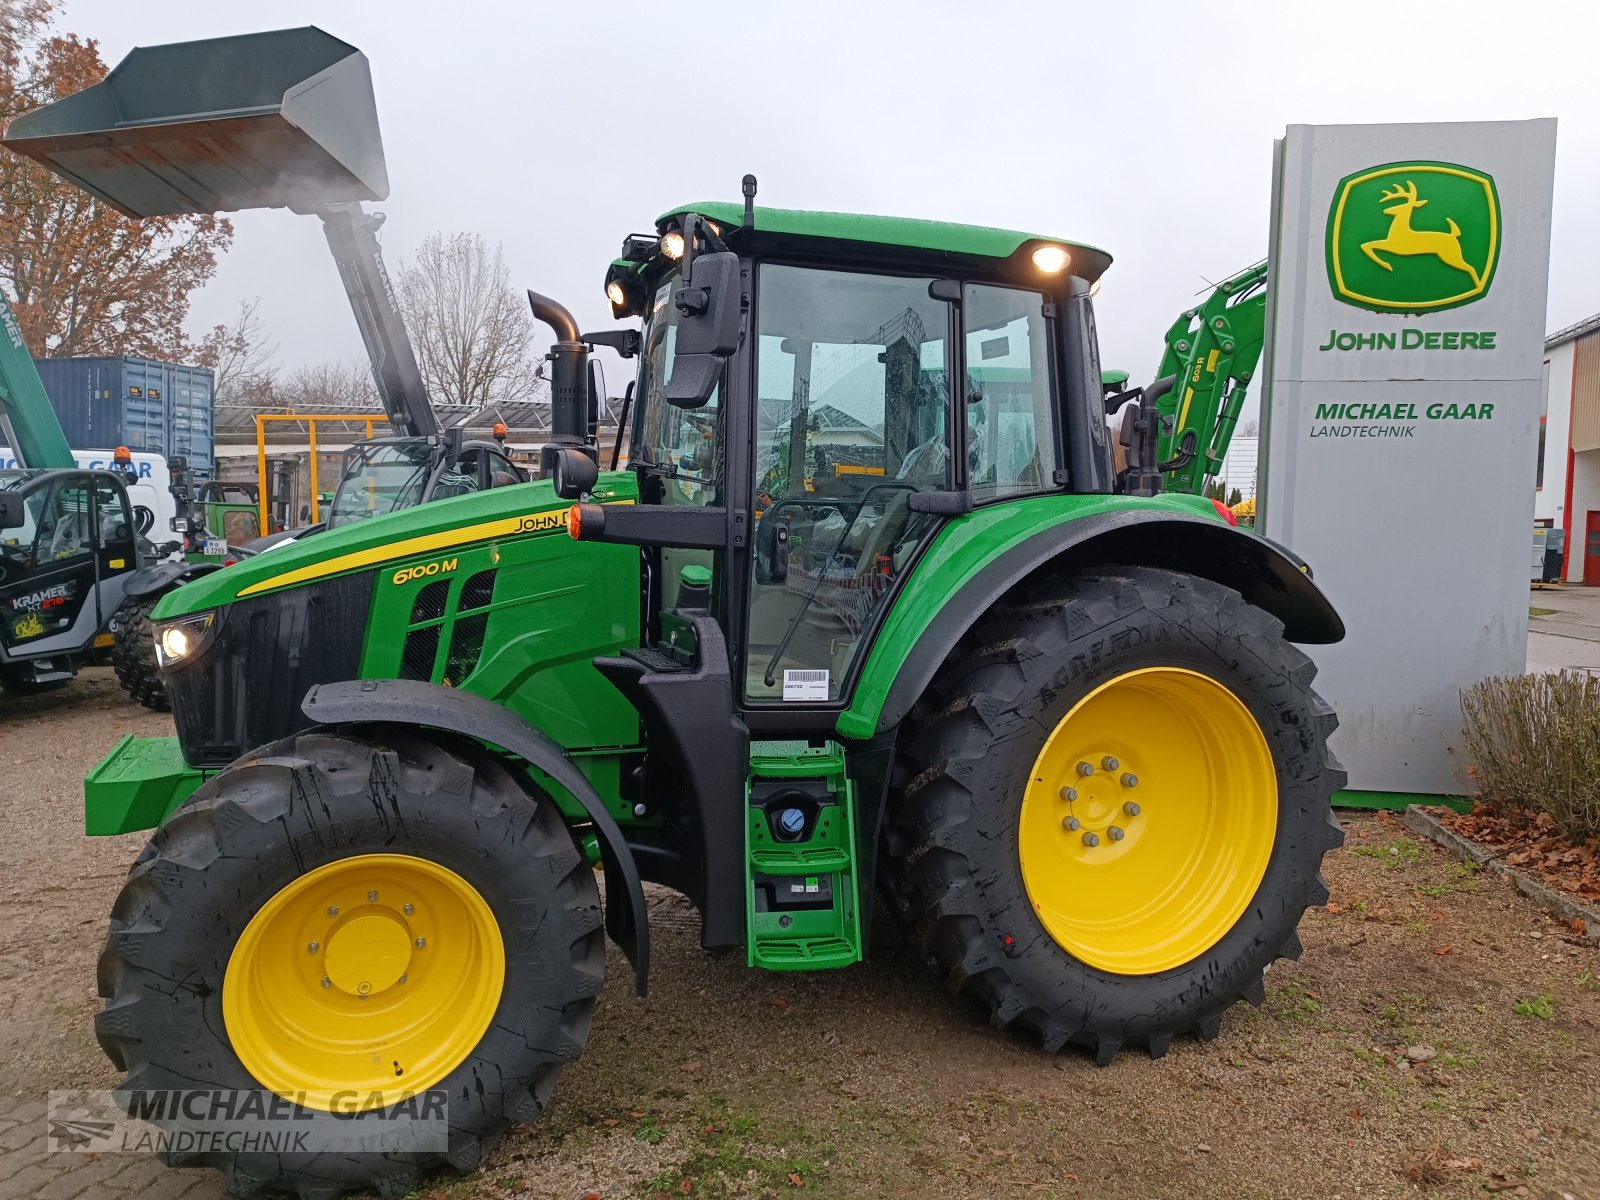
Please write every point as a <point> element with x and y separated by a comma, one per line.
<point>617,294</point>
<point>179,641</point>
<point>672,245</point>
<point>1052,260</point>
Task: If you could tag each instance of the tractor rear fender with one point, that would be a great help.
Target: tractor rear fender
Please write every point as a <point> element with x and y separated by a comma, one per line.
<point>433,706</point>
<point>1266,574</point>
<point>164,576</point>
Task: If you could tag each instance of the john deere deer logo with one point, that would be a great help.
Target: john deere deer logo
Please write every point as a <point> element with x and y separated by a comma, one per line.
<point>1388,255</point>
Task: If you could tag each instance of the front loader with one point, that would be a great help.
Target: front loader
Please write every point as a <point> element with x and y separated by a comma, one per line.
<point>869,611</point>
<point>279,119</point>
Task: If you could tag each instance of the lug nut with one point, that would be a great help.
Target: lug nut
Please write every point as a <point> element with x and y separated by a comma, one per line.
<point>1070,824</point>
<point>421,942</point>
<point>314,947</point>
<point>408,910</point>
<point>333,910</point>
<point>1069,794</point>
<point>1085,770</point>
<point>1109,763</point>
<point>372,897</point>
<point>1116,834</point>
<point>402,979</point>
<point>1131,809</point>
<point>1129,779</point>
<point>326,982</point>
<point>1091,839</point>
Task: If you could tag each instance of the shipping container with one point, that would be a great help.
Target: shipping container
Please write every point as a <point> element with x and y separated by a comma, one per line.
<point>161,408</point>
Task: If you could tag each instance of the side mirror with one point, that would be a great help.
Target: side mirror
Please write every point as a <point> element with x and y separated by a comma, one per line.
<point>572,471</point>
<point>13,513</point>
<point>708,305</point>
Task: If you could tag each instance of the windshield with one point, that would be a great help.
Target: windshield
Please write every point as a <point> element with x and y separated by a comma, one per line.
<point>381,479</point>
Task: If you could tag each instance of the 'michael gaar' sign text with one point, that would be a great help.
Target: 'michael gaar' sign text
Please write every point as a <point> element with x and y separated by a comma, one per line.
<point>1400,416</point>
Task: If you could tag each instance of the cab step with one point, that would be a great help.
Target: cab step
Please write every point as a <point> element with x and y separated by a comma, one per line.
<point>800,858</point>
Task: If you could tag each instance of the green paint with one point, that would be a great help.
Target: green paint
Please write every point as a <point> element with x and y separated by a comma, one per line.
<point>1397,800</point>
<point>979,241</point>
<point>964,549</point>
<point>25,404</point>
<point>137,785</point>
<point>442,517</point>
<point>1413,237</point>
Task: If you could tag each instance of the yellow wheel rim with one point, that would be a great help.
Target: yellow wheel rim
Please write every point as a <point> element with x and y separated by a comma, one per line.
<point>363,980</point>
<point>1148,821</point>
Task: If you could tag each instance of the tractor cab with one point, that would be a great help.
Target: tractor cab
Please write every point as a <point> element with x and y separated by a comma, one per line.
<point>877,392</point>
<point>67,544</point>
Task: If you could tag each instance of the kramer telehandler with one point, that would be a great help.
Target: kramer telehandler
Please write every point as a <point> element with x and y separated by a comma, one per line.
<point>870,610</point>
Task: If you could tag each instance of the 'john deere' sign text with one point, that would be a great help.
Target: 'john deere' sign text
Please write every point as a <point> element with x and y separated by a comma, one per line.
<point>1413,237</point>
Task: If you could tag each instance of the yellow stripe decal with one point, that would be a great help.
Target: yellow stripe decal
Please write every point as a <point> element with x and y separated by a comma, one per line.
<point>541,522</point>
<point>1211,362</point>
<point>1183,413</point>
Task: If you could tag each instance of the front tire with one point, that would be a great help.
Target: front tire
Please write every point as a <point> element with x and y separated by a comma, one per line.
<point>1117,803</point>
<point>133,653</point>
<point>333,904</point>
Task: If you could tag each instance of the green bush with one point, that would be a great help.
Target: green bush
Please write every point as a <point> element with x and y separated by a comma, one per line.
<point>1533,745</point>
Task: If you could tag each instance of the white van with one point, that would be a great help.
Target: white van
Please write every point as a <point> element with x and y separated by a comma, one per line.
<point>151,491</point>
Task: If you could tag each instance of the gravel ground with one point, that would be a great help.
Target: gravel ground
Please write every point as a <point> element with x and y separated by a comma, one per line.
<point>871,1082</point>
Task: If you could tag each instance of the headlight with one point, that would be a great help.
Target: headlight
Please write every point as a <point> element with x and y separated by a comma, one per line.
<point>1052,260</point>
<point>672,245</point>
<point>180,641</point>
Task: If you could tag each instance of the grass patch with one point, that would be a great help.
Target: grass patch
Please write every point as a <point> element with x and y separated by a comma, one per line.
<point>1402,852</point>
<point>1534,611</point>
<point>1542,1007</point>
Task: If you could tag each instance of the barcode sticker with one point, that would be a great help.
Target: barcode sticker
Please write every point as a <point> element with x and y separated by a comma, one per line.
<point>805,685</point>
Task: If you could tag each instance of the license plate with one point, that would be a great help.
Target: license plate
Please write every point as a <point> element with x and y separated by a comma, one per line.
<point>217,546</point>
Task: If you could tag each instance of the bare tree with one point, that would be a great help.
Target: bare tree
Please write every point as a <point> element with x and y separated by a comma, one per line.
<point>240,354</point>
<point>470,327</point>
<point>323,386</point>
<point>1250,428</point>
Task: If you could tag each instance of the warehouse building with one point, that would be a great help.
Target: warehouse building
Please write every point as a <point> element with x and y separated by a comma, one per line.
<point>1569,447</point>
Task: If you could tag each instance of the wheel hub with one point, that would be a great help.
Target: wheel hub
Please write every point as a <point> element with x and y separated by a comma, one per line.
<point>368,953</point>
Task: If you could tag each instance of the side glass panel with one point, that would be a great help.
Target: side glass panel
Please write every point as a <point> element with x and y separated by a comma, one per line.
<point>852,407</point>
<point>684,440</point>
<point>1011,439</point>
<point>116,524</point>
<point>681,441</point>
<point>67,530</point>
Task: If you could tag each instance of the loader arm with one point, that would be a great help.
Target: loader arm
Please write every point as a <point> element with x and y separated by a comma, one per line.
<point>27,422</point>
<point>353,240</point>
<point>1213,351</point>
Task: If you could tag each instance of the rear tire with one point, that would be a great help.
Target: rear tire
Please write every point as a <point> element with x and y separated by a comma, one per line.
<point>955,841</point>
<point>188,930</point>
<point>133,653</point>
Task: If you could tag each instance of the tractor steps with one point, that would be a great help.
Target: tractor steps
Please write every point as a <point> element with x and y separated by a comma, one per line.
<point>800,859</point>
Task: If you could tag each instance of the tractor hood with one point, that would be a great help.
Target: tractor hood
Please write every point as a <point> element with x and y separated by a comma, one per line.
<point>518,511</point>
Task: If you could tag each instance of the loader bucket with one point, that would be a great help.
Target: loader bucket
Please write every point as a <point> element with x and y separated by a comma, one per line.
<point>261,120</point>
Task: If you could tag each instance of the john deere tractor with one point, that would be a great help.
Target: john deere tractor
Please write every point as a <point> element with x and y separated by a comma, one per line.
<point>871,610</point>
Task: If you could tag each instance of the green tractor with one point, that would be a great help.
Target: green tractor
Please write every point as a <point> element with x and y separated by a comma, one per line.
<point>870,611</point>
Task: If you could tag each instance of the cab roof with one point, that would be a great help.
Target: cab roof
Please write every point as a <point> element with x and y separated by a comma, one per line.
<point>940,237</point>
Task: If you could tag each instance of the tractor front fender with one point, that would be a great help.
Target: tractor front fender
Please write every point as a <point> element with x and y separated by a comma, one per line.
<point>1266,574</point>
<point>164,576</point>
<point>433,706</point>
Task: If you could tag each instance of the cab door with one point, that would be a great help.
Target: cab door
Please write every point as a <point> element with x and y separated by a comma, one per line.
<point>116,551</point>
<point>47,595</point>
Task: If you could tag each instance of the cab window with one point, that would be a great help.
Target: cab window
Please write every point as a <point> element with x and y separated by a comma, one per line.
<point>111,509</point>
<point>1010,409</point>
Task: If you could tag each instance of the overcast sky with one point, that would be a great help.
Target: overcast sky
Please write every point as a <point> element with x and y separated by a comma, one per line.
<point>1143,127</point>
